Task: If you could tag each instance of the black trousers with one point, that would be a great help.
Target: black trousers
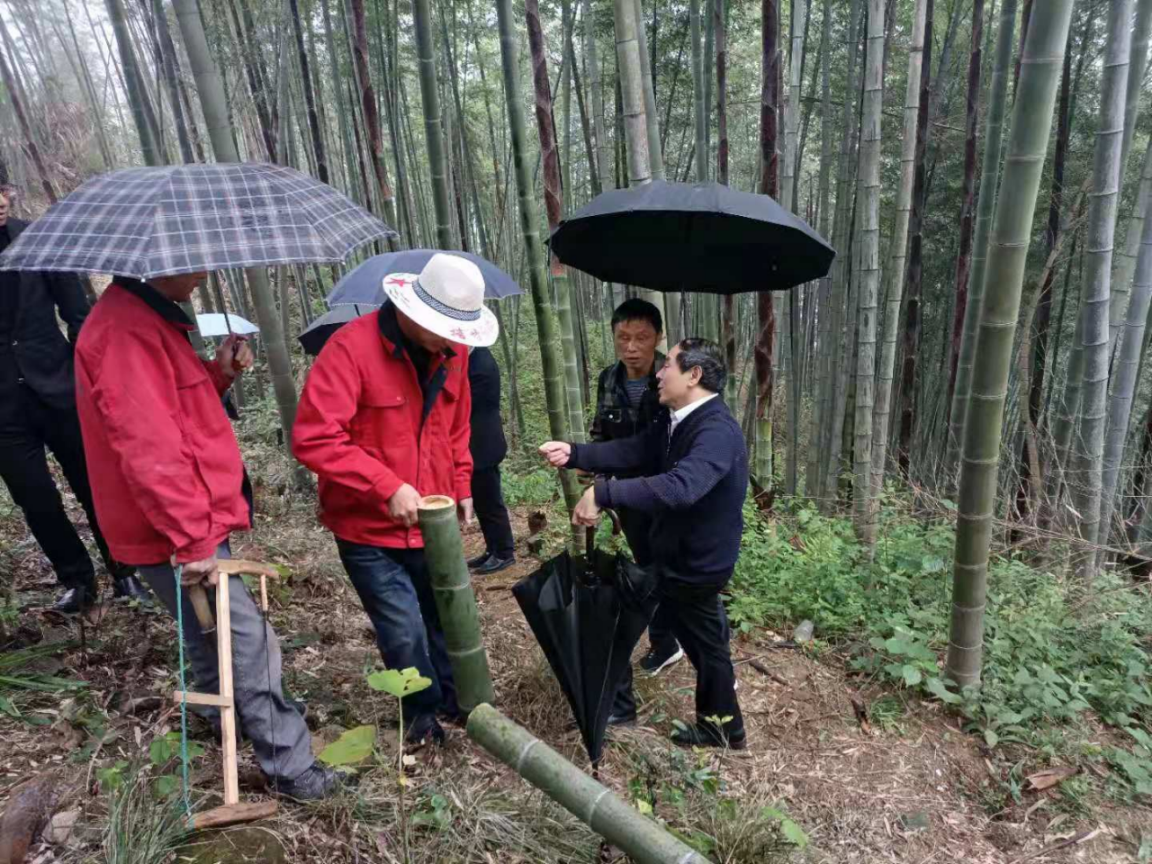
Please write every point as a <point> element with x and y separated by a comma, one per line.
<point>488,501</point>
<point>637,527</point>
<point>698,620</point>
<point>24,435</point>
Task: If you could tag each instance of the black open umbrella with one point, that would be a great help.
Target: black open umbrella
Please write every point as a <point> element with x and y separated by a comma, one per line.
<point>321,330</point>
<point>365,284</point>
<point>588,614</point>
<point>691,237</point>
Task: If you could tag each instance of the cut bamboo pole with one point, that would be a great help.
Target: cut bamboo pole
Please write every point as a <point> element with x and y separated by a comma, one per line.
<point>641,838</point>
<point>455,600</point>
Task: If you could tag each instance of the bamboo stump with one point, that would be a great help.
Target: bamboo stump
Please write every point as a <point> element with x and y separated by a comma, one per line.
<point>455,601</point>
<point>641,838</point>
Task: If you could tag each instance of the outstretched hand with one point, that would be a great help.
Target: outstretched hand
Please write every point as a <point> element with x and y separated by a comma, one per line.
<point>556,452</point>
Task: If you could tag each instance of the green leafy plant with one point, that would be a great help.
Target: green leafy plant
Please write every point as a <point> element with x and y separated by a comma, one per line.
<point>400,683</point>
<point>351,748</point>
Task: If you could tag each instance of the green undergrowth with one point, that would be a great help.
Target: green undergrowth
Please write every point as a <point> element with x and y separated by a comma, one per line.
<point>1057,659</point>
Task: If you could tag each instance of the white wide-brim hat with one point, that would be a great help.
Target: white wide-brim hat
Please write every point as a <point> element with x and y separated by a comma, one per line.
<point>446,297</point>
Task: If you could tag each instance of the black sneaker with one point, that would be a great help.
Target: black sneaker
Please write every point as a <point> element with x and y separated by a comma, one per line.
<point>659,659</point>
<point>494,564</point>
<point>708,736</point>
<point>75,600</point>
<point>478,561</point>
<point>131,588</point>
<point>425,729</point>
<point>315,783</point>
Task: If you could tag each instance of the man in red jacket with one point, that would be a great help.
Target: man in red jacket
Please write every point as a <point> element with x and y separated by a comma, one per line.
<point>168,484</point>
<point>383,421</point>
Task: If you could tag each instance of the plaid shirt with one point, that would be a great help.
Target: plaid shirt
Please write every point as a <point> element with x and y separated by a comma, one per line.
<point>615,416</point>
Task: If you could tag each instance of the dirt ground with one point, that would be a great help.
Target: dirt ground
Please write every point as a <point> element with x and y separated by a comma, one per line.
<point>905,785</point>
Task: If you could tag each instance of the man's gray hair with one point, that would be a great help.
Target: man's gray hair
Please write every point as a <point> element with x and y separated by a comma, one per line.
<point>707,355</point>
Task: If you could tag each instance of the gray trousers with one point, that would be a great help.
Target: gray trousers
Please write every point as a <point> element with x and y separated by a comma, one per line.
<point>279,736</point>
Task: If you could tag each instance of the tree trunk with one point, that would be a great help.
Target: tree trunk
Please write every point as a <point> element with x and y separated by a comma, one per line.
<point>706,303</point>
<point>433,132</point>
<point>1136,69</point>
<point>256,75</point>
<point>549,355</point>
<point>914,276</point>
<point>213,103</point>
<point>137,94</point>
<point>968,189</point>
<point>1095,290</point>
<point>813,480</point>
<point>1027,147</point>
<point>371,114</point>
<point>862,492</point>
<point>765,311</point>
<point>309,94</point>
<point>985,207</point>
<point>1130,345</point>
<point>1028,491</point>
<point>1125,266</point>
<point>727,302</point>
<point>26,129</point>
<point>603,167</point>
<point>841,268</point>
<point>897,255</point>
<point>553,207</point>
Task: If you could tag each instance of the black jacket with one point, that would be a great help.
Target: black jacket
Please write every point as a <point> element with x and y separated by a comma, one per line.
<point>615,417</point>
<point>41,353</point>
<point>488,444</point>
<point>693,485</point>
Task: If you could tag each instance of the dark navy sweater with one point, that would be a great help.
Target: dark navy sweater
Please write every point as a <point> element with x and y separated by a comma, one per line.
<point>693,486</point>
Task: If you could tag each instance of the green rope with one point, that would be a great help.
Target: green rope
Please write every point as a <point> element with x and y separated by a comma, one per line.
<point>183,696</point>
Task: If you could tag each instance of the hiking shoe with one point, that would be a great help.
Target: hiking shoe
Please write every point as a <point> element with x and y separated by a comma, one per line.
<point>425,729</point>
<point>315,783</point>
<point>75,600</point>
<point>708,736</point>
<point>478,561</point>
<point>659,659</point>
<point>130,587</point>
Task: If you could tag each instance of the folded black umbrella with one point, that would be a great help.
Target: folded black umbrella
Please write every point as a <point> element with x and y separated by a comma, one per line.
<point>691,237</point>
<point>588,613</point>
<point>321,330</point>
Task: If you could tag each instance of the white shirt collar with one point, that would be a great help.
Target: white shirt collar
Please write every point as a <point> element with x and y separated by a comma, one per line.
<point>679,415</point>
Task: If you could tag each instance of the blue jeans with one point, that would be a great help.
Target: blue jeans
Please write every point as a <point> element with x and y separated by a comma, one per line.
<point>396,591</point>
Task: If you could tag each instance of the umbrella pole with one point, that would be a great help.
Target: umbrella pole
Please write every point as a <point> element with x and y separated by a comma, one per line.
<point>641,838</point>
<point>455,601</point>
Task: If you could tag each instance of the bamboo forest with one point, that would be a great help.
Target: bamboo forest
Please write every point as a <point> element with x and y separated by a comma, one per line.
<point>800,511</point>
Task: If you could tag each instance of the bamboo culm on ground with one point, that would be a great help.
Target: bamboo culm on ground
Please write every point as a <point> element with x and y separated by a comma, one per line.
<point>641,838</point>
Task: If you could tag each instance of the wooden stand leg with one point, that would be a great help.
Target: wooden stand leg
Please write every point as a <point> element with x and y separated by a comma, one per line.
<point>228,710</point>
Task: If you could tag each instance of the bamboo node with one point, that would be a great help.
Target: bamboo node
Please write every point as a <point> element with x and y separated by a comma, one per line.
<point>436,502</point>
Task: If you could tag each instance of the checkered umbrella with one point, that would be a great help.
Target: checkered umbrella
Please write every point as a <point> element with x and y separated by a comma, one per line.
<point>148,222</point>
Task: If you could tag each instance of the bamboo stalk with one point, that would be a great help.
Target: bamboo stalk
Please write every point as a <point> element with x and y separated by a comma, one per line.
<point>639,837</point>
<point>455,601</point>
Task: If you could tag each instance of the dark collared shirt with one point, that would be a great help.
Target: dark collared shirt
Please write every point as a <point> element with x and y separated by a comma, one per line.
<point>419,356</point>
